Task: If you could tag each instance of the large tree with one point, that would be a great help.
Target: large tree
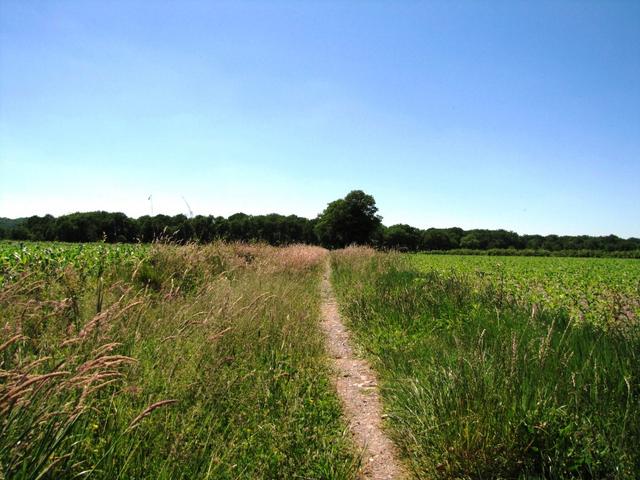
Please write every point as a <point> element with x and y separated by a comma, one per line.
<point>402,237</point>
<point>349,220</point>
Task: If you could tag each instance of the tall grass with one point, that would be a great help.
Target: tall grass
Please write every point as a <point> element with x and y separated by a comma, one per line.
<point>476,387</point>
<point>193,362</point>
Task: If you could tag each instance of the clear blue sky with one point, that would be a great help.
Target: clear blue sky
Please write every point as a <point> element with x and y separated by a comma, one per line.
<point>516,115</point>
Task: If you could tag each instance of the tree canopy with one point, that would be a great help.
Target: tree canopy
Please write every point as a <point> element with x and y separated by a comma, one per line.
<point>349,220</point>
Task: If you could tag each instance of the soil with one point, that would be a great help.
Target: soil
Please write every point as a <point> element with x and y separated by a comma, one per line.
<point>357,388</point>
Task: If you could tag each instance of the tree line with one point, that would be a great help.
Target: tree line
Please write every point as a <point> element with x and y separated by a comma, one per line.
<point>350,220</point>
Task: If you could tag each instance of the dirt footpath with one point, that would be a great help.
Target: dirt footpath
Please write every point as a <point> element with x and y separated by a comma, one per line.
<point>358,389</point>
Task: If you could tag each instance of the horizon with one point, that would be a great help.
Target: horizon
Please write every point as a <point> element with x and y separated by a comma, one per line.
<point>522,117</point>
<point>188,216</point>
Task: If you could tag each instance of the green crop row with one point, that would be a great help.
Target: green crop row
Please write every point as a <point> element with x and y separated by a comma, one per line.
<point>45,259</point>
<point>597,290</point>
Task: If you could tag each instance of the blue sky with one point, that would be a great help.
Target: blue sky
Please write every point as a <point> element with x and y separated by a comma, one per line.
<point>516,115</point>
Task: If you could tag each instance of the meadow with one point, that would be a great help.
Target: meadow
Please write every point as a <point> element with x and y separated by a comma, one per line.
<point>165,361</point>
<point>497,367</point>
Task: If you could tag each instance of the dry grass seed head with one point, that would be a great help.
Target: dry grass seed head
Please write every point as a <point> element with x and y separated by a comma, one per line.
<point>147,411</point>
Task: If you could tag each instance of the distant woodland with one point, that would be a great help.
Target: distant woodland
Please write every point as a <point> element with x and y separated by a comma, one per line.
<point>352,220</point>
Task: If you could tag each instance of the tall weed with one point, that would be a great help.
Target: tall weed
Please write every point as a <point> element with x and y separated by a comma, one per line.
<point>189,362</point>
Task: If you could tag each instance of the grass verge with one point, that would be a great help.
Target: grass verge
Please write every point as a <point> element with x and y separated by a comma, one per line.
<point>191,362</point>
<point>478,388</point>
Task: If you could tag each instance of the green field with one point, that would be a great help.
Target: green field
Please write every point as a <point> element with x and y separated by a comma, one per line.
<point>502,367</point>
<point>591,289</point>
<point>46,259</point>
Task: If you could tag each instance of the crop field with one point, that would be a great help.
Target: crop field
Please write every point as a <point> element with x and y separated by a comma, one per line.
<point>165,361</point>
<point>45,259</point>
<point>501,367</point>
<point>597,290</point>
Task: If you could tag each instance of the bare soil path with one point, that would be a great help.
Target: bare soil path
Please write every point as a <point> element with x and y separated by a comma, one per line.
<point>357,388</point>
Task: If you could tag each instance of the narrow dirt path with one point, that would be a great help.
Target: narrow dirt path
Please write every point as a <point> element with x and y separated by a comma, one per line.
<point>358,389</point>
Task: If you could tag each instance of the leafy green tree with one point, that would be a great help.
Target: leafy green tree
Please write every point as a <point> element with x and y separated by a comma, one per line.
<point>470,240</point>
<point>402,237</point>
<point>439,239</point>
<point>20,232</point>
<point>349,220</point>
